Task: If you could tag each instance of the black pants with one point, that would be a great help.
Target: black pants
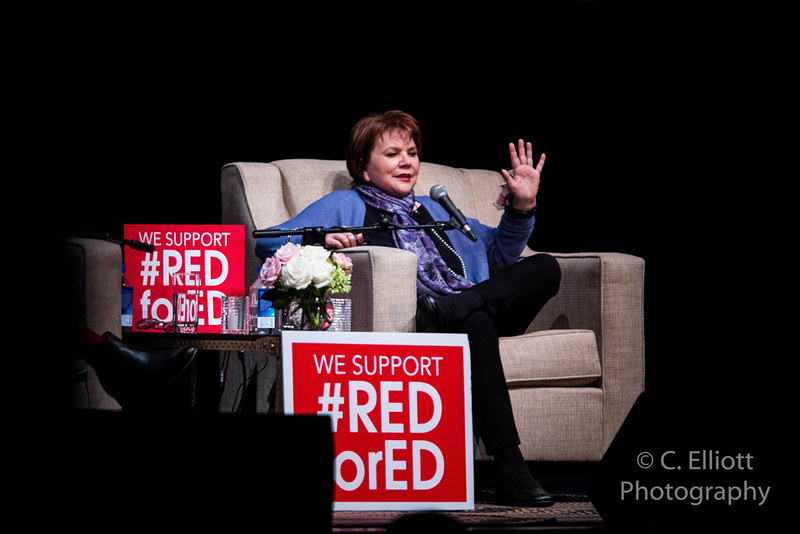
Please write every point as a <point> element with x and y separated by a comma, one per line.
<point>512,298</point>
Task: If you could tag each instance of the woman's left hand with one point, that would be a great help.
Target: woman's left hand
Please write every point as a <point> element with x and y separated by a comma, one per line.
<point>524,185</point>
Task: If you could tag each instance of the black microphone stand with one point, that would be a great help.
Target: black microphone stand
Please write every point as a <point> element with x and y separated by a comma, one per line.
<point>134,244</point>
<point>315,235</point>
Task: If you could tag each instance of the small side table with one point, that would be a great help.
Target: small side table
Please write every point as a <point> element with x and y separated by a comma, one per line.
<point>270,345</point>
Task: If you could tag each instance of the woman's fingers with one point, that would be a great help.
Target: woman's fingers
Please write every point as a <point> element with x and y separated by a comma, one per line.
<point>343,240</point>
<point>540,165</point>
<point>512,151</point>
<point>521,154</point>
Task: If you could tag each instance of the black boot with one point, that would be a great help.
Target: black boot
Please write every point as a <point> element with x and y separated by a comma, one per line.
<point>515,483</point>
<point>445,313</point>
<point>528,494</point>
<point>135,377</point>
<point>428,315</point>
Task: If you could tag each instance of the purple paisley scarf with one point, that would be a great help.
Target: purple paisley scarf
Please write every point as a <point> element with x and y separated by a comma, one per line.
<point>433,275</point>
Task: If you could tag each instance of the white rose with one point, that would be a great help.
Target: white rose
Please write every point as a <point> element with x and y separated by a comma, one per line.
<point>314,253</point>
<point>297,273</point>
<point>321,273</point>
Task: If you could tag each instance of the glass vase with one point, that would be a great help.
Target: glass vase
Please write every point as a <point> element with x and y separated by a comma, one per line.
<point>308,313</point>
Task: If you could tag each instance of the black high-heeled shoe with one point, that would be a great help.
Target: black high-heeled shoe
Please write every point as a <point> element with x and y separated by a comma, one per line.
<point>134,376</point>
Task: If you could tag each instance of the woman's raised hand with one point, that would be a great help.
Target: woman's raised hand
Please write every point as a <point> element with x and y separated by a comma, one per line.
<point>524,185</point>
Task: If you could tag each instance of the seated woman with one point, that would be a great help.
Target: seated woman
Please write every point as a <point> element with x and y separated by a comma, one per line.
<point>455,292</point>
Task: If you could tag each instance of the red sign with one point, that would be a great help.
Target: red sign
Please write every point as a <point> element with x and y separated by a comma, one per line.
<point>400,407</point>
<point>216,252</point>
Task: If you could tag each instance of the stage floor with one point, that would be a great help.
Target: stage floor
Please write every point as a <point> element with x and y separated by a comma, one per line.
<point>570,512</point>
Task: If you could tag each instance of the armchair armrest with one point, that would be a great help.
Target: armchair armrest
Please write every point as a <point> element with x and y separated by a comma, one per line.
<point>92,268</point>
<point>604,292</point>
<point>384,289</point>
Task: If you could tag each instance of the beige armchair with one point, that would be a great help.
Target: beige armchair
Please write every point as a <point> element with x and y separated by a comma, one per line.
<point>93,269</point>
<point>573,376</point>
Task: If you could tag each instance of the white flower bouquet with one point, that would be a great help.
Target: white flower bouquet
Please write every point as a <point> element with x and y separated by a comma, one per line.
<point>305,275</point>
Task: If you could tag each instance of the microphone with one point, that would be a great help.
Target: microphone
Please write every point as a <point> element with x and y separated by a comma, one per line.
<point>439,194</point>
<point>134,244</point>
<point>139,245</point>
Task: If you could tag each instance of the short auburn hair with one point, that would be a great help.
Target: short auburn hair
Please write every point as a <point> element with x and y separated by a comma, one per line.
<point>369,129</point>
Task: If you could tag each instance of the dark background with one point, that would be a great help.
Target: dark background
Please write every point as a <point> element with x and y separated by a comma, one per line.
<point>650,135</point>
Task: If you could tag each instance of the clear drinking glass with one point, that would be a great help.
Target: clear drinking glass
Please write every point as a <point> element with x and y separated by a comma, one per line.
<point>185,302</point>
<point>234,315</point>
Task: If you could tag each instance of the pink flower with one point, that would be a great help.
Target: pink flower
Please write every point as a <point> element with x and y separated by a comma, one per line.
<point>343,262</point>
<point>271,270</point>
<point>286,252</point>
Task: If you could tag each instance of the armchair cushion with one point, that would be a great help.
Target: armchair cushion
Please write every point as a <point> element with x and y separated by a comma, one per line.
<point>551,358</point>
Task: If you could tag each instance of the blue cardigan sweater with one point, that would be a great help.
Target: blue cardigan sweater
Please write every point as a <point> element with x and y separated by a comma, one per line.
<point>496,248</point>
